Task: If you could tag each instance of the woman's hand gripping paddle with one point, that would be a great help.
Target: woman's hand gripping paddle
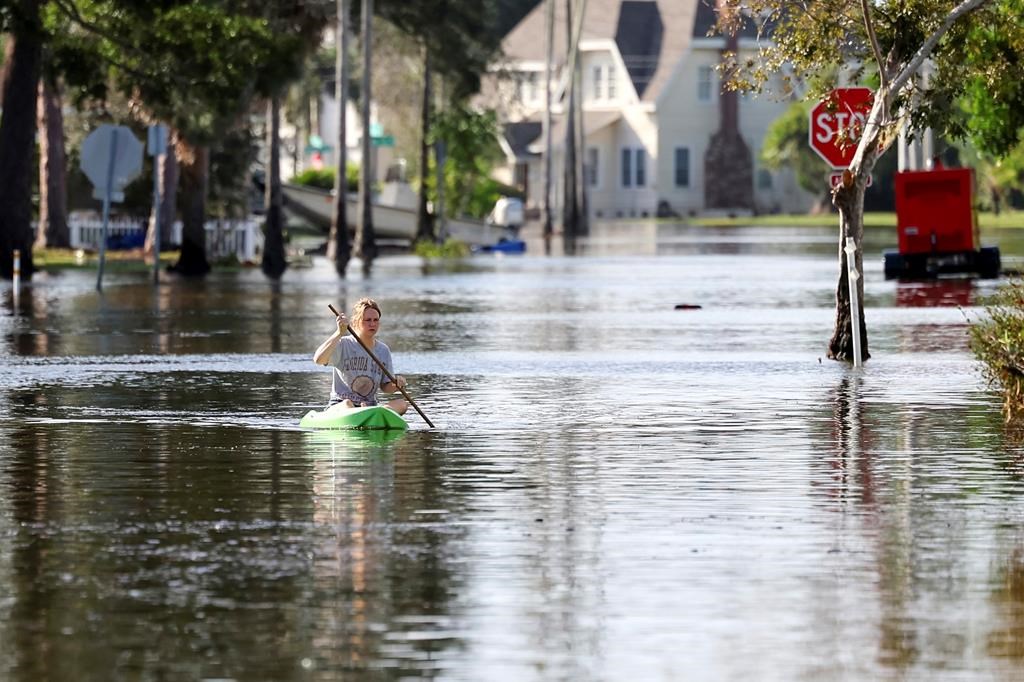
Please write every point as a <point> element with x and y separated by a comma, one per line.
<point>384,369</point>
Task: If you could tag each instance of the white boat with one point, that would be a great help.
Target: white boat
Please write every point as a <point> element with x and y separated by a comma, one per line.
<point>395,222</point>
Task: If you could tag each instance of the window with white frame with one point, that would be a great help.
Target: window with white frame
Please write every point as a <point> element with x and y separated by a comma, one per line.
<point>705,81</point>
<point>764,178</point>
<point>627,167</point>
<point>590,166</point>
<point>641,167</point>
<point>603,82</point>
<point>682,167</point>
<point>528,88</point>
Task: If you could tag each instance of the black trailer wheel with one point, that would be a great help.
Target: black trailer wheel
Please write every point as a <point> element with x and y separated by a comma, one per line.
<point>894,264</point>
<point>989,263</point>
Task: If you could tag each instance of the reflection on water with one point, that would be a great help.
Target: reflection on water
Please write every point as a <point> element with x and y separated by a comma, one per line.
<point>616,490</point>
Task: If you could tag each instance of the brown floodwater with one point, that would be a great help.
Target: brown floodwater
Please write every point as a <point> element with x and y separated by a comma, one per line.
<point>616,489</point>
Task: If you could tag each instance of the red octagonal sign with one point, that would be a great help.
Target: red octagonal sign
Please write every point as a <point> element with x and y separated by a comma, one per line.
<point>837,122</point>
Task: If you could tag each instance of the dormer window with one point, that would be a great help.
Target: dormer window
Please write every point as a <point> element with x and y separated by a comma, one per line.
<point>603,82</point>
<point>705,78</point>
<point>528,90</point>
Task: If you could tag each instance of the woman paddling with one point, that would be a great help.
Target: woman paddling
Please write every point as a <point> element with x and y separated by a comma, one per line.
<point>356,377</point>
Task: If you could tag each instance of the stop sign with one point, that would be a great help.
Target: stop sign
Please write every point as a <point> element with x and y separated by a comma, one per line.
<point>111,152</point>
<point>837,122</point>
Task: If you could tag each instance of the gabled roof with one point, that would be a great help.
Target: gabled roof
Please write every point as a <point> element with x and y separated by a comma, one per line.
<point>707,16</point>
<point>521,135</point>
<point>651,36</point>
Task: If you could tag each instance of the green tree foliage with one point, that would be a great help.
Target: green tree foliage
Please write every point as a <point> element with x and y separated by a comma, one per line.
<point>194,65</point>
<point>461,36</point>
<point>970,91</point>
<point>785,146</point>
<point>471,140</point>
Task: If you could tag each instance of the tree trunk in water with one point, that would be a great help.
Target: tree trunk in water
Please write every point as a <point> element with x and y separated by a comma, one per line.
<point>53,170</point>
<point>339,248</point>
<point>366,242</point>
<point>424,227</point>
<point>850,202</point>
<point>274,263</point>
<point>582,218</point>
<point>167,177</point>
<point>549,13</point>
<point>570,206</point>
<point>17,137</point>
<point>194,179</point>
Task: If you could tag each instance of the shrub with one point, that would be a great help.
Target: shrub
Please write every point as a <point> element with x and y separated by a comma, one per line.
<point>323,178</point>
<point>451,248</point>
<point>998,341</point>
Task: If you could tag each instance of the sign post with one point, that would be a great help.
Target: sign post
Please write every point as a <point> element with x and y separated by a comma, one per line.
<point>111,158</point>
<point>836,125</point>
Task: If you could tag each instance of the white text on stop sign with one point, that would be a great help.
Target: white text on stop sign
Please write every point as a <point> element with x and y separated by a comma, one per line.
<point>825,130</point>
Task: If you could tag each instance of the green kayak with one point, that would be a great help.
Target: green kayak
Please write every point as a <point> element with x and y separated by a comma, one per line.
<point>375,417</point>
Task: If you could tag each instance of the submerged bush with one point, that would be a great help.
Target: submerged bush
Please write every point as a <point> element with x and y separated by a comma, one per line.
<point>323,178</point>
<point>998,341</point>
<point>451,248</point>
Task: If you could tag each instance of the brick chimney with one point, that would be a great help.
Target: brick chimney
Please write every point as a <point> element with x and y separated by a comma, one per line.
<point>728,168</point>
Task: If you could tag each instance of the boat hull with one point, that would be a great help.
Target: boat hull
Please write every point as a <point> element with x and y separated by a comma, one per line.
<point>374,417</point>
<point>316,206</point>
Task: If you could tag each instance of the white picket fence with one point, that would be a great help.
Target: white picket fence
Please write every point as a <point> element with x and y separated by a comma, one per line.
<point>241,238</point>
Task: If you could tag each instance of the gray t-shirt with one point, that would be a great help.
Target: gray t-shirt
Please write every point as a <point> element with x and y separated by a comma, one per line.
<point>356,376</point>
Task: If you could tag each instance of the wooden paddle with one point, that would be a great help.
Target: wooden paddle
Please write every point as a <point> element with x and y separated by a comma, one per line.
<point>384,369</point>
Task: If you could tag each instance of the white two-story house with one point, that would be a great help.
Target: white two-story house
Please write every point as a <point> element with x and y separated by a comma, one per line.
<point>652,107</point>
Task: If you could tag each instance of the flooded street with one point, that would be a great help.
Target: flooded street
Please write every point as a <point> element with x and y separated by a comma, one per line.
<point>617,489</point>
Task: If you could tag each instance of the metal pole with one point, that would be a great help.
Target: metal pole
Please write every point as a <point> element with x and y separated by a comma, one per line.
<point>853,277</point>
<point>106,208</point>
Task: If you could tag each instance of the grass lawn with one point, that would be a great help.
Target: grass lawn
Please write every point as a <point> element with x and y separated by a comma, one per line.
<point>130,260</point>
<point>1004,220</point>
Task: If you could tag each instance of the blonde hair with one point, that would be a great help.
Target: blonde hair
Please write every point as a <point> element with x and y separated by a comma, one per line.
<point>361,306</point>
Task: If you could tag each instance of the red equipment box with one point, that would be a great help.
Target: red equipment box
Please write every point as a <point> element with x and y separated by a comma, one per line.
<point>934,212</point>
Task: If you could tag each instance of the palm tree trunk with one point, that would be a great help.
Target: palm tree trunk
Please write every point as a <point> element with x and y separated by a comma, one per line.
<point>366,243</point>
<point>424,228</point>
<point>274,263</point>
<point>570,205</point>
<point>194,180</point>
<point>582,222</point>
<point>548,66</point>
<point>339,247</point>
<point>17,137</point>
<point>53,171</point>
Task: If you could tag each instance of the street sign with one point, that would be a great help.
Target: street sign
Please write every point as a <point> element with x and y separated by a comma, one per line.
<point>836,178</point>
<point>111,154</point>
<point>111,158</point>
<point>837,122</point>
